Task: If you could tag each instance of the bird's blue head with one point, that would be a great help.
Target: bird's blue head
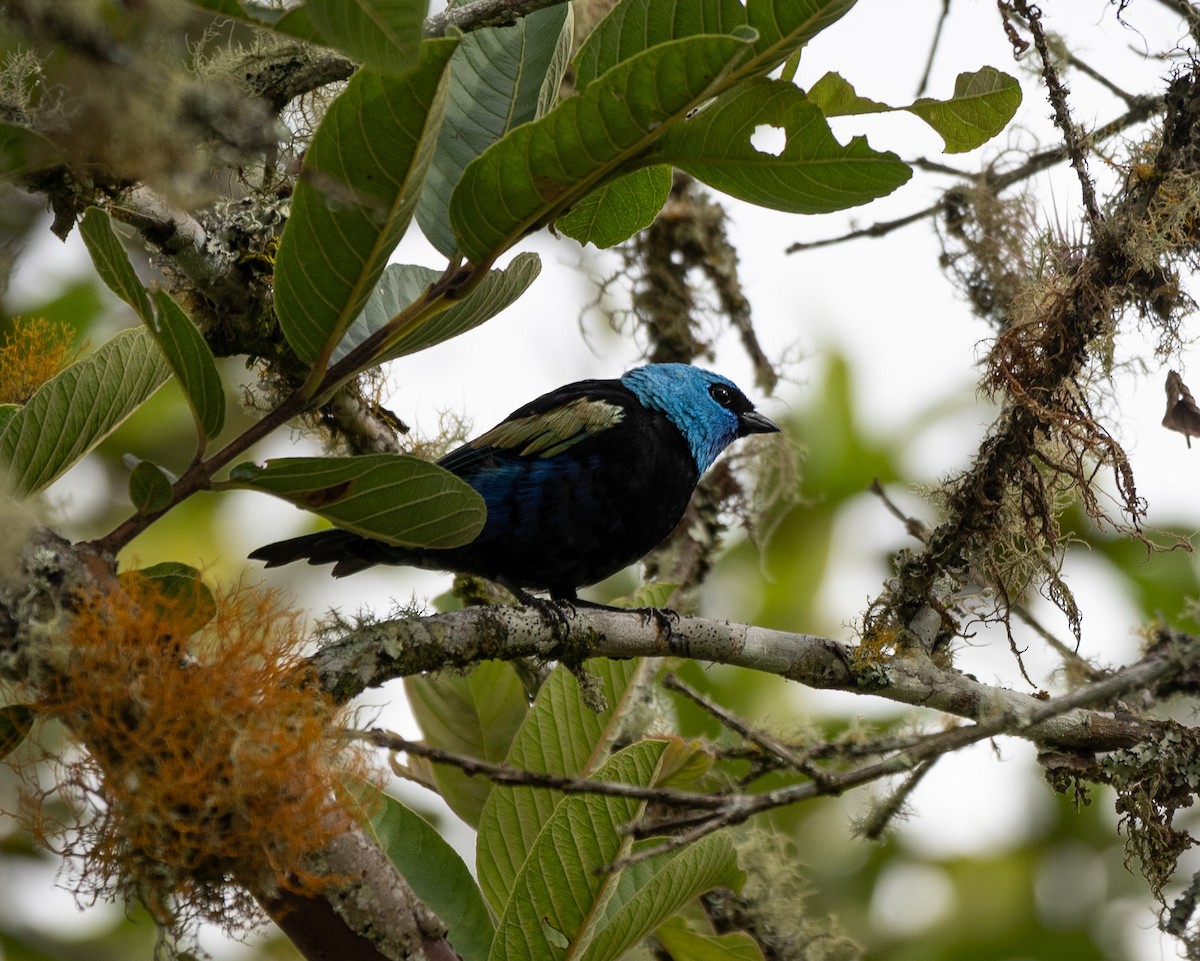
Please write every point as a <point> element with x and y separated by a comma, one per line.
<point>708,409</point>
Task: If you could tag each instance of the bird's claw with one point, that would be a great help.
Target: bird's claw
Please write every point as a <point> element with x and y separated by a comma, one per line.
<point>663,617</point>
<point>555,611</point>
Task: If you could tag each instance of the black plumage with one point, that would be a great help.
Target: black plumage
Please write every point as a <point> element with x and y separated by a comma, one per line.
<point>578,483</point>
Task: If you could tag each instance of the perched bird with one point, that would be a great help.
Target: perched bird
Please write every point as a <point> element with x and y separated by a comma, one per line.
<point>578,484</point>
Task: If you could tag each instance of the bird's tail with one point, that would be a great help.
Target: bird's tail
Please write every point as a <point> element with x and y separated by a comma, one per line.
<point>349,553</point>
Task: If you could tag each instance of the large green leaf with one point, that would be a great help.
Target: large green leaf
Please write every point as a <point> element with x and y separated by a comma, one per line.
<point>77,408</point>
<point>401,284</point>
<point>540,168</point>
<point>637,25</point>
<point>186,351</point>
<point>781,28</point>
<point>561,735</point>
<point>983,104</point>
<point>477,715</point>
<point>619,209</point>
<point>674,881</point>
<point>496,78</point>
<point>391,497</point>
<point>560,892</point>
<point>355,197</point>
<point>434,870</point>
<point>813,174</point>
<point>381,34</point>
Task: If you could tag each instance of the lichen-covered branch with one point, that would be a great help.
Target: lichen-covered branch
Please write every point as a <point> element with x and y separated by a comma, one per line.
<point>368,656</point>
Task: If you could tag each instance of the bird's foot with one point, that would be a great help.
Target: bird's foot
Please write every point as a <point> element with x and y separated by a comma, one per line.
<point>555,611</point>
<point>663,617</point>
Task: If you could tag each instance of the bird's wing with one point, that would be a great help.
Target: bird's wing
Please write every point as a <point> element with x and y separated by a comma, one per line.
<point>548,426</point>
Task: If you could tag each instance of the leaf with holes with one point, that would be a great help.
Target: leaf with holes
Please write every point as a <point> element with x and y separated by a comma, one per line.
<point>539,169</point>
<point>812,174</point>
<point>983,104</point>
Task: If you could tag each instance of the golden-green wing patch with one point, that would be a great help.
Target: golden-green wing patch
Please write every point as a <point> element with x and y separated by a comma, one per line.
<point>552,432</point>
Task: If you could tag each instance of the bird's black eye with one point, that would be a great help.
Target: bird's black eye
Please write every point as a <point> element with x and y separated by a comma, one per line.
<point>722,394</point>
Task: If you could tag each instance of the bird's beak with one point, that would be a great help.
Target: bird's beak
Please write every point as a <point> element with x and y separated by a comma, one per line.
<point>752,422</point>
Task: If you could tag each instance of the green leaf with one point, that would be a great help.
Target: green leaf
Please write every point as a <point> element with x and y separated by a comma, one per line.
<point>434,870</point>
<point>813,174</point>
<point>497,76</point>
<point>380,34</point>
<point>7,412</point>
<point>983,104</point>
<point>16,721</point>
<point>149,488</point>
<point>391,497</point>
<point>561,889</point>
<point>185,596</point>
<point>837,98</point>
<point>476,715</point>
<point>637,25</point>
<point>291,21</point>
<point>619,209</point>
<point>186,351</point>
<point>673,881</point>
<point>785,26</point>
<point>355,197</point>
<point>112,262</point>
<point>192,362</point>
<point>560,735</point>
<point>683,944</point>
<point>401,284</point>
<point>539,169</point>
<point>77,408</point>
<point>560,60</point>
<point>650,594</point>
<point>779,29</point>
<point>23,151</point>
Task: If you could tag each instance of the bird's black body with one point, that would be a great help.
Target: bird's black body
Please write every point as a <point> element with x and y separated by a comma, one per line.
<point>578,484</point>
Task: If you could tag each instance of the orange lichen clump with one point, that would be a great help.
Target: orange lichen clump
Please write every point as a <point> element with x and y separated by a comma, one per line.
<point>211,761</point>
<point>34,350</point>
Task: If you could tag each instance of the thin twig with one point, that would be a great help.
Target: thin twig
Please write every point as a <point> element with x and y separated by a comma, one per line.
<point>933,47</point>
<point>772,745</point>
<point>741,808</point>
<point>1142,109</point>
<point>520,777</point>
<point>1074,142</point>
